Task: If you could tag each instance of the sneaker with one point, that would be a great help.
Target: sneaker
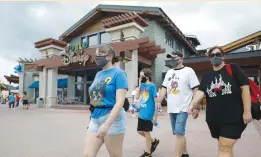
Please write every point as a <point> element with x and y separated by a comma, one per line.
<point>154,145</point>
<point>133,115</point>
<point>146,155</point>
<point>184,155</point>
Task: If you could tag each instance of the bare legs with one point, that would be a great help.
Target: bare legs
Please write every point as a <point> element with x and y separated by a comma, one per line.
<point>148,140</point>
<point>114,145</point>
<point>225,147</point>
<point>180,145</point>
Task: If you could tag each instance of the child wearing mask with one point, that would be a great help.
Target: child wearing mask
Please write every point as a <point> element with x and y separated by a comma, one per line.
<point>147,95</point>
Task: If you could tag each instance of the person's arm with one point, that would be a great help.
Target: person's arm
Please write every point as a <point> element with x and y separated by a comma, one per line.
<point>154,94</point>
<point>120,98</point>
<point>156,109</point>
<point>162,94</point>
<point>198,96</point>
<point>194,84</point>
<point>163,89</point>
<point>243,82</point>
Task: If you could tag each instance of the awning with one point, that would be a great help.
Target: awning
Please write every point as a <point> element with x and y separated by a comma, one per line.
<point>61,83</point>
<point>35,84</point>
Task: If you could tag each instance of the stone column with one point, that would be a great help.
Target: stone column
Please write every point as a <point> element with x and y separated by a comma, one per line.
<point>85,89</point>
<point>71,86</point>
<point>120,65</point>
<point>131,69</point>
<point>21,83</point>
<point>43,84</point>
<point>52,87</point>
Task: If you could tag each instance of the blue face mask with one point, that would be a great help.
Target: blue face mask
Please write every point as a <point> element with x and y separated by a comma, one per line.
<point>101,61</point>
<point>216,61</point>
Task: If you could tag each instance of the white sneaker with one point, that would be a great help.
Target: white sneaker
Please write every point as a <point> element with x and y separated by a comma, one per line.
<point>133,115</point>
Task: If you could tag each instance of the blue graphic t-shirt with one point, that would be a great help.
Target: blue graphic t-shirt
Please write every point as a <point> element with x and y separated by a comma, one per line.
<point>147,103</point>
<point>11,98</point>
<point>103,90</point>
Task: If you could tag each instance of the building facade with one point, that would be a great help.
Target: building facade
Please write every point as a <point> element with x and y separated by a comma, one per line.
<point>246,52</point>
<point>141,37</point>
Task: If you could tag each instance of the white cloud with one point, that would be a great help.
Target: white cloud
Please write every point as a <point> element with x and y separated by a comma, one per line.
<point>6,68</point>
<point>214,23</point>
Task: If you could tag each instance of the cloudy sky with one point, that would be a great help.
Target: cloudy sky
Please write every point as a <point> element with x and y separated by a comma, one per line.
<point>23,23</point>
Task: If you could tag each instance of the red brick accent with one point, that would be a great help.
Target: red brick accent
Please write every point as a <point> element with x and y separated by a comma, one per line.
<point>50,41</point>
<point>123,19</point>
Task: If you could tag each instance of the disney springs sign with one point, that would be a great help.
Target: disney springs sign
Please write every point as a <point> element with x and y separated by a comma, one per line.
<point>253,47</point>
<point>75,54</point>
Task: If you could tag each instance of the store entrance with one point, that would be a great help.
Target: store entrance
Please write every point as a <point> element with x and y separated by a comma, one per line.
<point>84,80</point>
<point>90,75</point>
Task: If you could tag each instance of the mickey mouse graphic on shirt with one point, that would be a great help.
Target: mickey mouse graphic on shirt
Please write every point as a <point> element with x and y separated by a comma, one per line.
<point>174,84</point>
<point>219,87</point>
<point>98,91</point>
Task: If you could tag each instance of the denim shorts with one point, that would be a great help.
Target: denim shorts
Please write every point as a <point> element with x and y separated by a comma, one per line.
<point>117,127</point>
<point>178,122</point>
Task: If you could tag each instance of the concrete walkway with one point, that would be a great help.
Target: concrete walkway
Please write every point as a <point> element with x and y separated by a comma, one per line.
<point>60,133</point>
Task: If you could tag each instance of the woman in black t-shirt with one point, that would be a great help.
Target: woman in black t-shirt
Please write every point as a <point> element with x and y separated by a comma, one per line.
<point>228,99</point>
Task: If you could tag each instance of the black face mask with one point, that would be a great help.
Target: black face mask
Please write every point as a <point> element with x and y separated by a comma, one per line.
<point>143,79</point>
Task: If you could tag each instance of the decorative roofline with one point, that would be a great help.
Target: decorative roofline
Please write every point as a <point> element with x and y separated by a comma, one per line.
<point>49,41</point>
<point>123,19</point>
<point>25,60</point>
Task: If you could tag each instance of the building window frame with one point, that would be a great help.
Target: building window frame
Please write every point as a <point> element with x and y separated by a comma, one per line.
<point>178,47</point>
<point>98,34</point>
<point>169,40</point>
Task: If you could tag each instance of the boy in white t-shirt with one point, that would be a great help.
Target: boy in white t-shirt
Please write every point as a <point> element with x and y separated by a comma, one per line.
<point>134,106</point>
<point>160,110</point>
<point>179,84</point>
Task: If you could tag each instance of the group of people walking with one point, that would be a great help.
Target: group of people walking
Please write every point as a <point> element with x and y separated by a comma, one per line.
<point>14,100</point>
<point>227,114</point>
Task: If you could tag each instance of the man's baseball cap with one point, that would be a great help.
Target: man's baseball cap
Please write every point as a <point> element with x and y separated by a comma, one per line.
<point>175,54</point>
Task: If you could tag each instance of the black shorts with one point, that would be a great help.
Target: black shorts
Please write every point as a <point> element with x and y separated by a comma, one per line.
<point>144,125</point>
<point>25,102</point>
<point>226,130</point>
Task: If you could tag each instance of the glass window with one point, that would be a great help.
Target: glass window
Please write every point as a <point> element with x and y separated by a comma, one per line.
<point>93,40</point>
<point>169,40</point>
<point>84,40</point>
<point>79,92</point>
<point>79,79</point>
<point>105,38</point>
<point>178,47</point>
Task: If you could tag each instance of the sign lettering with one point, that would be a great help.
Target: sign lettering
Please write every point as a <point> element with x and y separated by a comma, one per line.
<point>253,47</point>
<point>75,54</point>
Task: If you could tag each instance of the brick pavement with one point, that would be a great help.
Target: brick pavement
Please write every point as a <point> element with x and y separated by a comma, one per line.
<point>60,133</point>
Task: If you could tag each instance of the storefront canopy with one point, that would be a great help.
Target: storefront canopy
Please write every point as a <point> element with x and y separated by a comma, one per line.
<point>35,84</point>
<point>61,83</point>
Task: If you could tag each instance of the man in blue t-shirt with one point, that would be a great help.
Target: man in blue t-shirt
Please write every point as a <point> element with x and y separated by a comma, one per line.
<point>11,100</point>
<point>147,95</point>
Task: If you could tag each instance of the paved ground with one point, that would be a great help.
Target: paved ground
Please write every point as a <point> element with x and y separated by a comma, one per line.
<point>60,133</point>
